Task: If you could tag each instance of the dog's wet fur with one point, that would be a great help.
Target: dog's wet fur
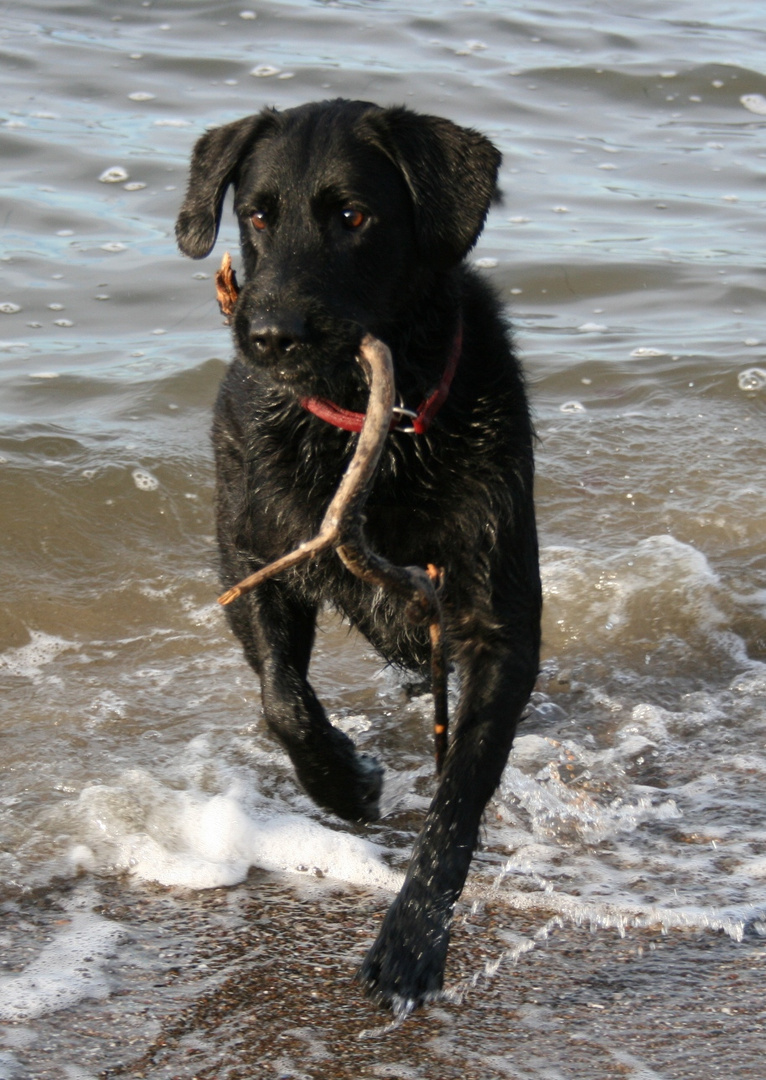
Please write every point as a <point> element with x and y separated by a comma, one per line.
<point>357,219</point>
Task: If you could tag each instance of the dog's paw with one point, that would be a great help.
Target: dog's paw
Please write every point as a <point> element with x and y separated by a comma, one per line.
<point>369,787</point>
<point>350,787</point>
<point>405,967</point>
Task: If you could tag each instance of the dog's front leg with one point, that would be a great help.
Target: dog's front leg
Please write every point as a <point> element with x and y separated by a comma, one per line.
<point>405,966</point>
<point>277,631</point>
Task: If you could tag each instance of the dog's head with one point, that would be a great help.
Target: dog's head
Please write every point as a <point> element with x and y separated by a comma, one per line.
<point>345,209</point>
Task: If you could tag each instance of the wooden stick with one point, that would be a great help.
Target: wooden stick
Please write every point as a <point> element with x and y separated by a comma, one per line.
<point>438,673</point>
<point>341,515</point>
<point>342,526</point>
<point>226,287</point>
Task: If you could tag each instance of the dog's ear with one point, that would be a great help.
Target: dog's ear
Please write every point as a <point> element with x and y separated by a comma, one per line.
<point>214,166</point>
<point>451,172</point>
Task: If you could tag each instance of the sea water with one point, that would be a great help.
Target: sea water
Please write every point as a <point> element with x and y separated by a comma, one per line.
<point>629,254</point>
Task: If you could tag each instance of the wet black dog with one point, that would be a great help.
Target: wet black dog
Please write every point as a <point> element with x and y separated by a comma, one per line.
<point>355,219</point>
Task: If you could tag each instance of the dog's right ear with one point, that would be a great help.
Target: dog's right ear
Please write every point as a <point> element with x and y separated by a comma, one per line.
<point>214,166</point>
<point>451,173</point>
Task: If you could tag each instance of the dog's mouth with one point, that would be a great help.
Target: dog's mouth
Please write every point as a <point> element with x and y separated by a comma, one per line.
<point>339,380</point>
<point>307,355</point>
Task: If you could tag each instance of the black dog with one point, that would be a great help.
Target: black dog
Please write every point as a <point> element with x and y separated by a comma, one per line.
<point>356,219</point>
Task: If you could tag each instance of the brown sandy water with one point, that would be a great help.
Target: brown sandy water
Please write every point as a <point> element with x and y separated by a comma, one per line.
<point>170,904</point>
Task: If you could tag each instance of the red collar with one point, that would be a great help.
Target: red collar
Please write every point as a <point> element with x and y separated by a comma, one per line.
<point>421,420</point>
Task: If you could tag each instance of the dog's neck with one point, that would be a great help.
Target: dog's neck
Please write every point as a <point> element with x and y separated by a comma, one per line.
<point>421,418</point>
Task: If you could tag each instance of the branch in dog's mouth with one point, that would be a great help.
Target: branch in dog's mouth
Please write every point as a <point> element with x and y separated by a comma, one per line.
<point>226,287</point>
<point>342,525</point>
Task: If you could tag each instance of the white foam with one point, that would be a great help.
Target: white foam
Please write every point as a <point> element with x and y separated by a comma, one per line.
<point>557,809</point>
<point>115,174</point>
<point>755,103</point>
<point>647,351</point>
<point>621,915</point>
<point>199,841</point>
<point>589,835</point>
<point>29,660</point>
<point>67,970</point>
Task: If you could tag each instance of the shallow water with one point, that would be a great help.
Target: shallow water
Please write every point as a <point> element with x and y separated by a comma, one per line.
<point>135,770</point>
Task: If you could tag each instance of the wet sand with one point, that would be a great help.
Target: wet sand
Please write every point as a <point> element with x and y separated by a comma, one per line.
<point>256,981</point>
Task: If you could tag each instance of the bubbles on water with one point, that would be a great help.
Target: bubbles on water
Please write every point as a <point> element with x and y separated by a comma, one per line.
<point>263,71</point>
<point>144,480</point>
<point>114,246</point>
<point>115,174</point>
<point>471,47</point>
<point>752,379</point>
<point>9,308</point>
<point>572,407</point>
<point>486,264</point>
<point>247,15</point>
<point>142,95</point>
<point>646,351</point>
<point>755,103</point>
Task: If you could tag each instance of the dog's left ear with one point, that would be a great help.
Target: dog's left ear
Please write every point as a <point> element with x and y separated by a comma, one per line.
<point>215,162</point>
<point>451,172</point>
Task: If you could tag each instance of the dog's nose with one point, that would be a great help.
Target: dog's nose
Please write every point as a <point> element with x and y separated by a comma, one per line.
<point>277,335</point>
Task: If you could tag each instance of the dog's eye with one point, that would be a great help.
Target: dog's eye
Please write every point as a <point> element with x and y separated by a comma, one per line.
<point>258,220</point>
<point>353,218</point>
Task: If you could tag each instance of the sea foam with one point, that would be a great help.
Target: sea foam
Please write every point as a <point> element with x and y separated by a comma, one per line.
<point>191,839</point>
<point>68,969</point>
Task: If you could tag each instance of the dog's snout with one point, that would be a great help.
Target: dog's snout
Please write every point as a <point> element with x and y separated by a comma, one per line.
<point>277,335</point>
